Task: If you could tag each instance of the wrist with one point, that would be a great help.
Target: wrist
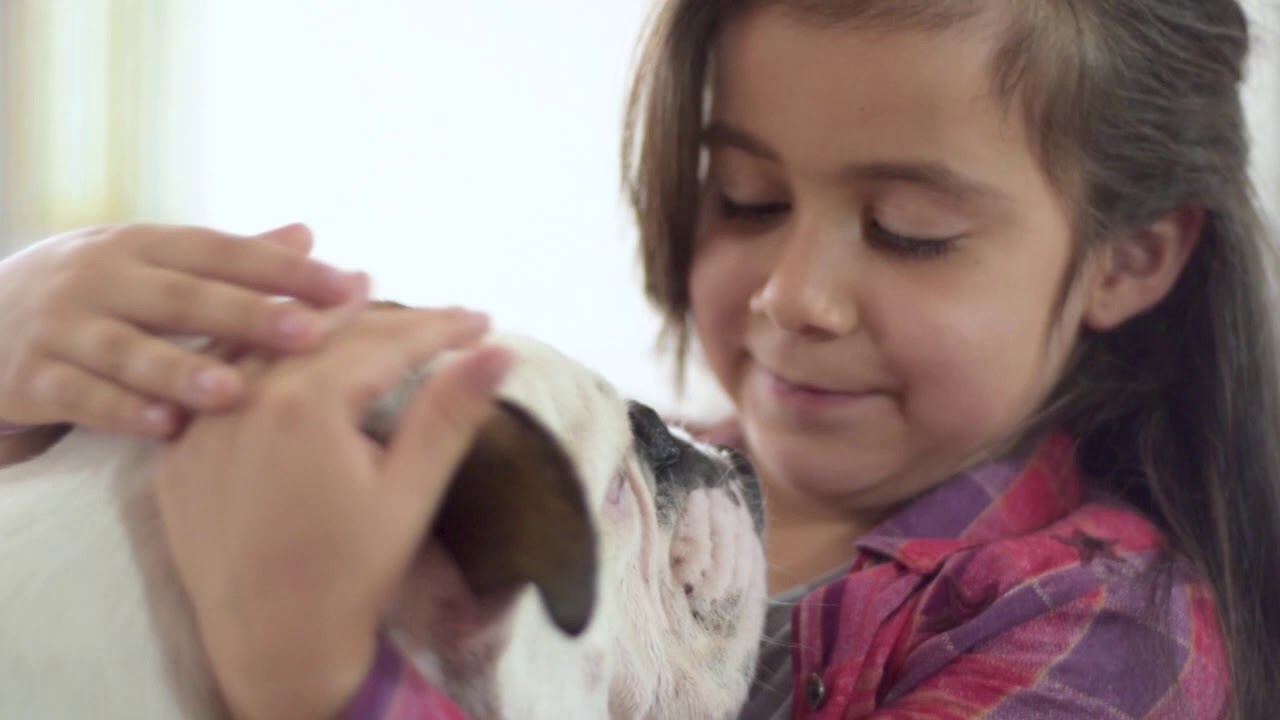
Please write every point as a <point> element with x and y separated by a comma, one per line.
<point>314,675</point>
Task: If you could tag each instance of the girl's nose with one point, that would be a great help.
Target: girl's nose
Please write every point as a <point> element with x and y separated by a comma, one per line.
<point>808,291</point>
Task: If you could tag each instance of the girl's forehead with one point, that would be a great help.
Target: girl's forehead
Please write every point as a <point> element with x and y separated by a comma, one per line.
<point>822,99</point>
<point>771,51</point>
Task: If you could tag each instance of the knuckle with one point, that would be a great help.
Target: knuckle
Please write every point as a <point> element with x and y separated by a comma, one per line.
<point>108,404</point>
<point>56,387</point>
<point>181,302</point>
<point>19,371</point>
<point>26,343</point>
<point>380,329</point>
<point>216,253</point>
<point>163,369</point>
<point>248,256</point>
<point>287,397</point>
<point>114,350</point>
<point>76,276</point>
<point>97,244</point>
<point>178,293</point>
<point>260,261</point>
<point>399,326</point>
<point>449,403</point>
<point>266,315</point>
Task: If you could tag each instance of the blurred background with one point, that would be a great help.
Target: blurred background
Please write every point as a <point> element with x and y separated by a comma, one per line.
<point>462,152</point>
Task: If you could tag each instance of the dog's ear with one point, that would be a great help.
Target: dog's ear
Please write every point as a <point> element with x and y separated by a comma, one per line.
<point>516,513</point>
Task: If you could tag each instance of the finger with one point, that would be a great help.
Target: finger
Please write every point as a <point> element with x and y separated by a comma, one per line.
<point>294,236</point>
<point>254,365</point>
<point>172,303</point>
<point>79,396</point>
<point>148,365</point>
<point>336,318</point>
<point>383,346</point>
<point>330,319</point>
<point>263,266</point>
<point>437,430</point>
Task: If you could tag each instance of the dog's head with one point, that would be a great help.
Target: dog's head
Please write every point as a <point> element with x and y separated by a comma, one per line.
<point>587,560</point>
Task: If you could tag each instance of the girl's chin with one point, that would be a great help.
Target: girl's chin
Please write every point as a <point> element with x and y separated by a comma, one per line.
<point>826,473</point>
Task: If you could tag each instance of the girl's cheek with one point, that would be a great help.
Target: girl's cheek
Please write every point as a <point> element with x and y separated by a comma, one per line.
<point>704,278</point>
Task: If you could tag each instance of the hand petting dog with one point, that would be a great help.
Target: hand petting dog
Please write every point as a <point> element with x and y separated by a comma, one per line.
<point>84,317</point>
<point>289,609</point>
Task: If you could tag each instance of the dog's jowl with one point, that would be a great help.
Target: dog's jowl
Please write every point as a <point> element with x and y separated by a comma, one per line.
<point>637,590</point>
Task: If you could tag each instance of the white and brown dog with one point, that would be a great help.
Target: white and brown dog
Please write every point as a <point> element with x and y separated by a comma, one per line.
<point>587,563</point>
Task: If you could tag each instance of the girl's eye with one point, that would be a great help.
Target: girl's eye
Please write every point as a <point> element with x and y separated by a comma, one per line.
<point>910,246</point>
<point>751,212</point>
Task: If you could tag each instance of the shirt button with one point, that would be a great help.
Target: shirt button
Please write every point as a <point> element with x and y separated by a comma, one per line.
<point>815,692</point>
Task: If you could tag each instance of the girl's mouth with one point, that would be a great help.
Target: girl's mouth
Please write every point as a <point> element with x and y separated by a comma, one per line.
<point>804,397</point>
<point>783,386</point>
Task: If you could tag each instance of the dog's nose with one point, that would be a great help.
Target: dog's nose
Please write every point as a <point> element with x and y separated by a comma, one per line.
<point>654,442</point>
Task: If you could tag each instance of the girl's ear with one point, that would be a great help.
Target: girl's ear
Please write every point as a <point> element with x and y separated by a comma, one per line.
<point>1137,270</point>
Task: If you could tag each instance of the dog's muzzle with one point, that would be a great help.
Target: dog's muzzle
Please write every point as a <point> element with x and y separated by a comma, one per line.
<point>678,467</point>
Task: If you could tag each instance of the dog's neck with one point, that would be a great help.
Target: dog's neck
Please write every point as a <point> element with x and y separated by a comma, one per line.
<point>499,657</point>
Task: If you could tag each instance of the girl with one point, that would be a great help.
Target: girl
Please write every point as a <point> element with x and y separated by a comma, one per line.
<point>985,283</point>
<point>984,280</point>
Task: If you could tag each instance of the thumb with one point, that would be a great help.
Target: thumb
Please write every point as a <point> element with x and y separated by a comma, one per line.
<point>294,236</point>
<point>438,429</point>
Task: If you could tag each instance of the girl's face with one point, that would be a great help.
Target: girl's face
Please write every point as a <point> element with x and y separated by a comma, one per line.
<point>880,257</point>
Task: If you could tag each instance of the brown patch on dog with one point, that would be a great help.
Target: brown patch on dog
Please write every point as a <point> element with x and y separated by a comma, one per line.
<point>515,513</point>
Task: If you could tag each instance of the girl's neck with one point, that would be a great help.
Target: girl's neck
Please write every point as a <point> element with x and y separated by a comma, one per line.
<point>805,539</point>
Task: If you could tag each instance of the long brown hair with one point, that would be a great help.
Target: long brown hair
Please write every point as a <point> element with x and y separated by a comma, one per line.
<point>1136,108</point>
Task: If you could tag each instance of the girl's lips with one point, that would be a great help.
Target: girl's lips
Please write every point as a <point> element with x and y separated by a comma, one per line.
<point>807,395</point>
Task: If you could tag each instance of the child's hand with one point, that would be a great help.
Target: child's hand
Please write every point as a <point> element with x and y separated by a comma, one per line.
<point>291,530</point>
<point>80,316</point>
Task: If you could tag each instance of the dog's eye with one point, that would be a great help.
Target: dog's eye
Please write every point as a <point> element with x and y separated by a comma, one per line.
<point>617,487</point>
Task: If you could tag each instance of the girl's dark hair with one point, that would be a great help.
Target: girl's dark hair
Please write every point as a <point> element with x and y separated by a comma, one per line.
<point>1136,108</point>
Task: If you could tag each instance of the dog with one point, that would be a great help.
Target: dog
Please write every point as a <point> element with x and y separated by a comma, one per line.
<point>587,562</point>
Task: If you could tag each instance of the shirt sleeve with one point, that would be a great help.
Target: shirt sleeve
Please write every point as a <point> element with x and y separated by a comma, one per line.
<point>1089,658</point>
<point>394,690</point>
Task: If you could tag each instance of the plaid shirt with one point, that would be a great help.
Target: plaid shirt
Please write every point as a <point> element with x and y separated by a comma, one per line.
<point>1001,593</point>
<point>1004,593</point>
<point>393,690</point>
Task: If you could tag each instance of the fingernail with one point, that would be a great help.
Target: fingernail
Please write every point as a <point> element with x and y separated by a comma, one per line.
<point>157,416</point>
<point>215,382</point>
<point>490,368</point>
<point>335,279</point>
<point>295,325</point>
<point>295,235</point>
<point>472,318</point>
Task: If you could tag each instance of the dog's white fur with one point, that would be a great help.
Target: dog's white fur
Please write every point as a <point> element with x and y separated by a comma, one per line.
<point>94,624</point>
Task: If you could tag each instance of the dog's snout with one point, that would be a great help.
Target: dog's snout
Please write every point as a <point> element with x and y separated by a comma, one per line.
<point>653,441</point>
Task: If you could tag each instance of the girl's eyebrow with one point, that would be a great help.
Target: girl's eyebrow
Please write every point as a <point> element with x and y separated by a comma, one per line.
<point>929,174</point>
<point>719,134</point>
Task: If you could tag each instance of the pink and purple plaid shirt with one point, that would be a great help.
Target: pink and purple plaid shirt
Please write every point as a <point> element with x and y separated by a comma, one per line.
<point>1002,593</point>
<point>393,690</point>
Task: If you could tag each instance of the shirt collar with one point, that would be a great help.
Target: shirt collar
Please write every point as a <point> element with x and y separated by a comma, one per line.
<point>988,502</point>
